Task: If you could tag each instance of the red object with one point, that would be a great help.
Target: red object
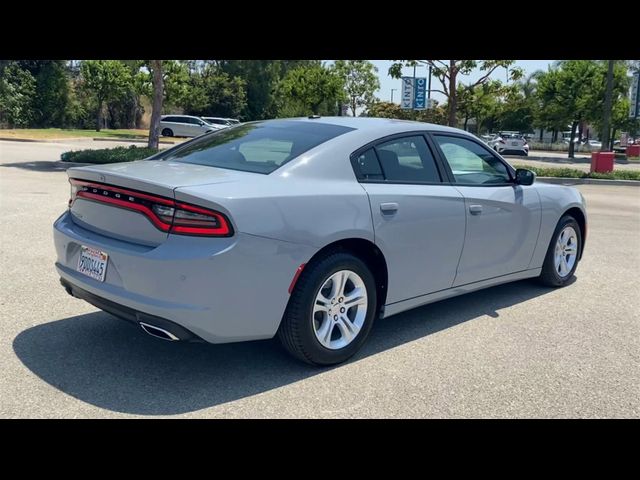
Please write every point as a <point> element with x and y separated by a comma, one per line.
<point>295,277</point>
<point>178,223</point>
<point>602,162</point>
<point>633,151</point>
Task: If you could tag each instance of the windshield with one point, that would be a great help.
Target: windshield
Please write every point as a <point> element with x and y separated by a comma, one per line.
<point>259,147</point>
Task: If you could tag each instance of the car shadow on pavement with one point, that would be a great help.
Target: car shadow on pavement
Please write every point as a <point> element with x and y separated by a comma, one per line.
<point>44,165</point>
<point>111,364</point>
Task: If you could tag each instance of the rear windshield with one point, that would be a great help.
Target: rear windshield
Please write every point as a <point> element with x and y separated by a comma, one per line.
<point>259,147</point>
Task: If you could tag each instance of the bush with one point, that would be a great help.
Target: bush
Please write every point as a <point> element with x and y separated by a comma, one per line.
<point>573,173</point>
<point>108,155</point>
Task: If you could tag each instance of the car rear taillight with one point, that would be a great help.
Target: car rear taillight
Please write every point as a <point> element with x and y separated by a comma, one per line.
<point>165,214</point>
<point>501,141</point>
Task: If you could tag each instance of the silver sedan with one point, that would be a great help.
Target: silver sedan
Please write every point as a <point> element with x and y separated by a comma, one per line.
<point>309,229</point>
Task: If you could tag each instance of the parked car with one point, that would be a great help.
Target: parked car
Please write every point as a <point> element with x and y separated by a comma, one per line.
<point>233,121</point>
<point>594,144</point>
<point>309,229</point>
<point>510,143</point>
<point>184,126</point>
<point>222,122</point>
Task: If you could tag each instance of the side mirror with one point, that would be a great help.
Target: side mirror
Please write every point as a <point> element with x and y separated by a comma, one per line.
<point>201,123</point>
<point>524,176</point>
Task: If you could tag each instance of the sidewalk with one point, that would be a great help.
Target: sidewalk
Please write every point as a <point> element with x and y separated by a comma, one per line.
<point>559,160</point>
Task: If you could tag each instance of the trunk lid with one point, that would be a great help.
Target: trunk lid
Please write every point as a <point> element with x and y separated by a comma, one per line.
<point>153,178</point>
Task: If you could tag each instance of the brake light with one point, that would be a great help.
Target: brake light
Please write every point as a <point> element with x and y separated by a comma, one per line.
<point>501,141</point>
<point>165,214</point>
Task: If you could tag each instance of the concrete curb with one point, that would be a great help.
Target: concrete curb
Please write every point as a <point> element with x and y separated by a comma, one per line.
<point>8,139</point>
<point>538,158</point>
<point>589,181</point>
<point>133,140</point>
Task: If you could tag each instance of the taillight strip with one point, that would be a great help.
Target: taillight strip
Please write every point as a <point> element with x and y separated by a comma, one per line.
<point>129,206</point>
<point>132,193</point>
<point>223,230</point>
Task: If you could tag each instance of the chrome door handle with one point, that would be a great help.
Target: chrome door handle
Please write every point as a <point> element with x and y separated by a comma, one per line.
<point>389,208</point>
<point>475,209</point>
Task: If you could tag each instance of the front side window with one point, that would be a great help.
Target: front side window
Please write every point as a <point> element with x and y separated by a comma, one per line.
<point>471,163</point>
<point>259,147</point>
<point>408,159</point>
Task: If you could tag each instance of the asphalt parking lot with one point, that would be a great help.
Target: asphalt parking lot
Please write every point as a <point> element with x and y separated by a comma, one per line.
<point>518,350</point>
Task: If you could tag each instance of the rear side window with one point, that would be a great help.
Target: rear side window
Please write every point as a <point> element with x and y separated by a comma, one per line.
<point>368,167</point>
<point>259,147</point>
<point>169,119</point>
<point>408,159</point>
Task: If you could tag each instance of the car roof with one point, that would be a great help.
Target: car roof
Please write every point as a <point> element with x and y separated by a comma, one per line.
<point>178,115</point>
<point>374,123</point>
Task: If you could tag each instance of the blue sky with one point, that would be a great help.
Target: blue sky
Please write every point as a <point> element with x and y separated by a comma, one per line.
<point>387,83</point>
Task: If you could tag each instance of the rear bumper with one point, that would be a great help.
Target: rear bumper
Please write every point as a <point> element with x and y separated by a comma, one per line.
<point>129,314</point>
<point>514,151</point>
<point>218,289</point>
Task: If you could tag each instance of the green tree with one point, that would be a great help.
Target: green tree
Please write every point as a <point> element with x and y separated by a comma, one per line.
<point>480,102</point>
<point>448,71</point>
<point>107,80</point>
<point>51,98</point>
<point>437,115</point>
<point>312,89</point>
<point>360,82</point>
<point>17,89</point>
<point>389,110</point>
<point>262,81</point>
<point>573,92</point>
<point>213,92</point>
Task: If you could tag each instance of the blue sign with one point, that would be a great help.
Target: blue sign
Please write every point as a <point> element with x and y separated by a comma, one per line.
<point>406,102</point>
<point>420,94</point>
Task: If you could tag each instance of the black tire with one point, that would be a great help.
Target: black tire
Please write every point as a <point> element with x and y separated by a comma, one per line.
<point>296,329</point>
<point>167,132</point>
<point>549,276</point>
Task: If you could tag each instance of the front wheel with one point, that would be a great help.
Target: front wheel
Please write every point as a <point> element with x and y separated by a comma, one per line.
<point>331,310</point>
<point>167,132</point>
<point>562,256</point>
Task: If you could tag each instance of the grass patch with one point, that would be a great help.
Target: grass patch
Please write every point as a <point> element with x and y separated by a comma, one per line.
<point>65,133</point>
<point>108,155</point>
<point>573,173</point>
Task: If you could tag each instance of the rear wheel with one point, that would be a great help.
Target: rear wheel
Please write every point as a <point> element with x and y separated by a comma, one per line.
<point>331,310</point>
<point>562,256</point>
<point>167,132</point>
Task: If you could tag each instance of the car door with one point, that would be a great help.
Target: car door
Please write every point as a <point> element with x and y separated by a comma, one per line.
<point>193,126</point>
<point>418,220</point>
<point>503,219</point>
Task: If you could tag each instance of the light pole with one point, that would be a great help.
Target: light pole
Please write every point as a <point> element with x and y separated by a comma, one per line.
<point>393,90</point>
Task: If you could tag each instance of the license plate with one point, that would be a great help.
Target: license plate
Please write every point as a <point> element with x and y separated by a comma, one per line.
<point>93,263</point>
<point>514,144</point>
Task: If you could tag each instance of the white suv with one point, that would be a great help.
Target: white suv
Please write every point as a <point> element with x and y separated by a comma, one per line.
<point>510,143</point>
<point>184,126</point>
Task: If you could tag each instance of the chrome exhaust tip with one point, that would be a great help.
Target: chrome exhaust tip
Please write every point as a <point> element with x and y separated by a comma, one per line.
<point>158,332</point>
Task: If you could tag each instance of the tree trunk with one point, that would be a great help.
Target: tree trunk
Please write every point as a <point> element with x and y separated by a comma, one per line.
<point>453,99</point>
<point>158,98</point>
<point>580,130</point>
<point>541,134</point>
<point>99,116</point>
<point>354,106</point>
<point>466,120</point>
<point>574,125</point>
<point>612,138</point>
